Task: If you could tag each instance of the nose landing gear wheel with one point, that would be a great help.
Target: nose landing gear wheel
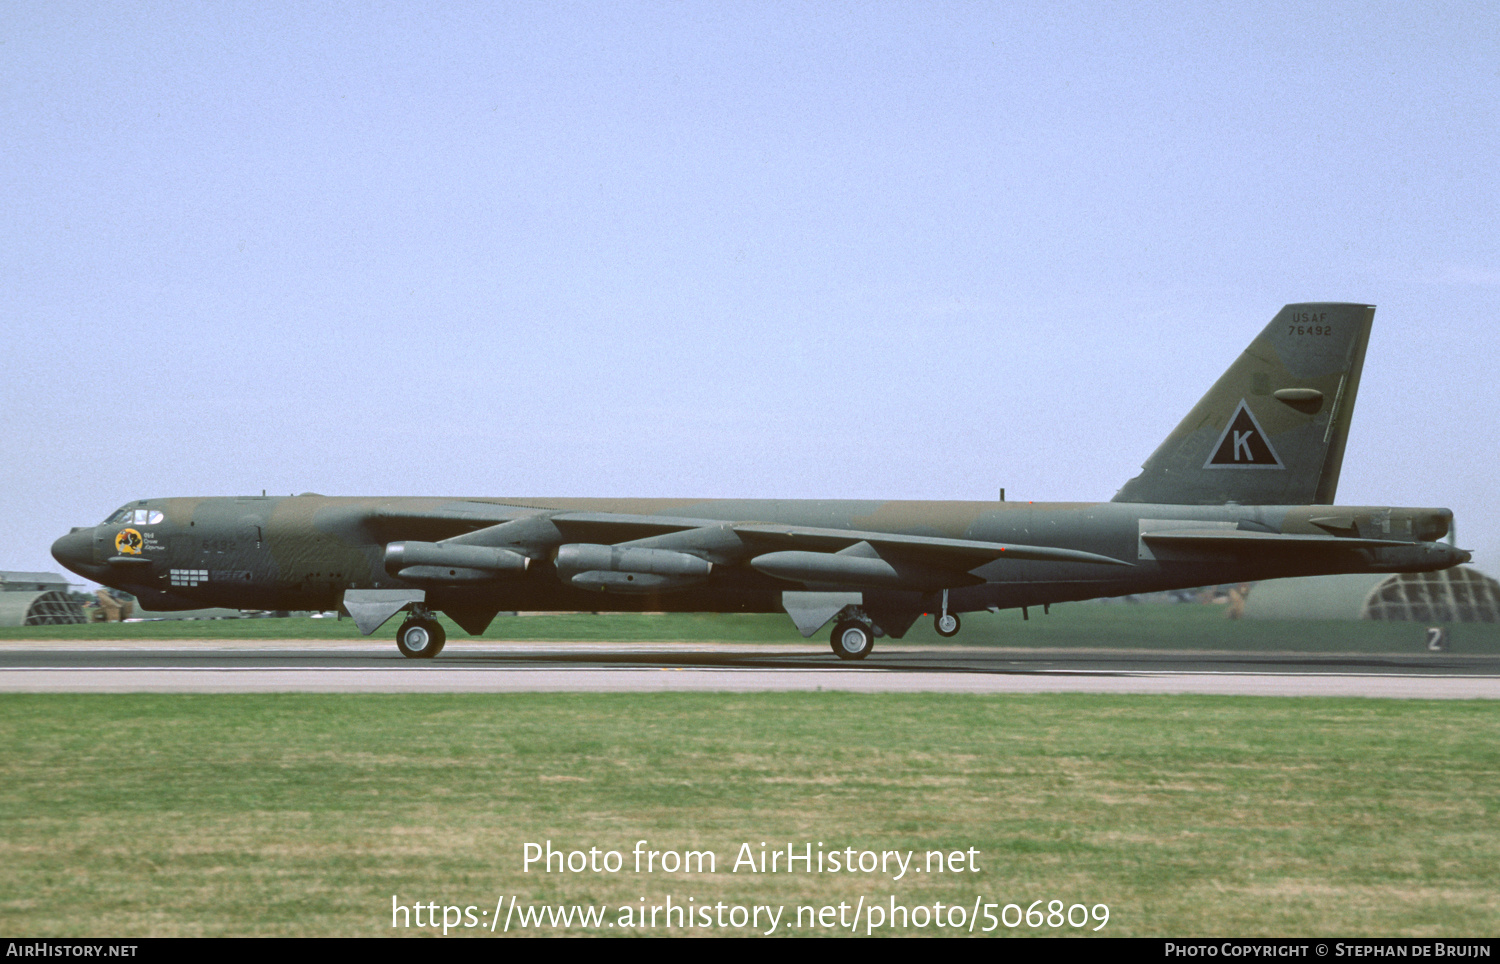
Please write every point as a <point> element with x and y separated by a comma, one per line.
<point>852,640</point>
<point>420,638</point>
<point>947,625</point>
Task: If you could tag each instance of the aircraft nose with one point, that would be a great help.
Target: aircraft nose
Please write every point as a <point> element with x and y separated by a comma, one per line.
<point>76,550</point>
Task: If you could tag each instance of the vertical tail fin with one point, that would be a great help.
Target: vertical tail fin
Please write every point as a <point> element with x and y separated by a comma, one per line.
<point>1272,430</point>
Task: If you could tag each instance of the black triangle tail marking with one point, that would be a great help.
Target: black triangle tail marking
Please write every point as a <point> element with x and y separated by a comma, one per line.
<point>1243,445</point>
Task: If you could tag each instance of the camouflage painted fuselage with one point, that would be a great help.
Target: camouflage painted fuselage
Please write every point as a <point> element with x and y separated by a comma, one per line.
<point>303,552</point>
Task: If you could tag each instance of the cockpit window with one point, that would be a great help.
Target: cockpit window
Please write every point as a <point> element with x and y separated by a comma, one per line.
<point>139,517</point>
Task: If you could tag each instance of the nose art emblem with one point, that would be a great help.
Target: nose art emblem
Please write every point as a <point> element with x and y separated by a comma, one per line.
<point>128,542</point>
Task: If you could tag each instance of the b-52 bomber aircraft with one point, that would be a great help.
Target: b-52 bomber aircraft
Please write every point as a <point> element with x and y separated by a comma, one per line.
<point>1241,490</point>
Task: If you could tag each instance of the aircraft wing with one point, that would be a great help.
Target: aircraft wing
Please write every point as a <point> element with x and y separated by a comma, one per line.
<point>474,520</point>
<point>468,518</point>
<point>639,553</point>
<point>958,553</point>
<point>612,527</point>
<point>484,513</point>
<point>399,520</point>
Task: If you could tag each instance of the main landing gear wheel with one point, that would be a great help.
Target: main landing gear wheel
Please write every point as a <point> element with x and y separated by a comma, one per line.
<point>420,638</point>
<point>852,640</point>
<point>947,625</point>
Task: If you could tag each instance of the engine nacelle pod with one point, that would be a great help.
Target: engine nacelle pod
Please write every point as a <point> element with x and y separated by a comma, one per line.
<point>629,569</point>
<point>842,569</point>
<point>426,561</point>
<point>631,582</point>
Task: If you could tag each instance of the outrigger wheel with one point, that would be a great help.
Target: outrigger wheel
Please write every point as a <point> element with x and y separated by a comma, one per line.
<point>946,623</point>
<point>852,639</point>
<point>420,637</point>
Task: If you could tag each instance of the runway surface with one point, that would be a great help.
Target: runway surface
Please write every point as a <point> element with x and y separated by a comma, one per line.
<point>320,666</point>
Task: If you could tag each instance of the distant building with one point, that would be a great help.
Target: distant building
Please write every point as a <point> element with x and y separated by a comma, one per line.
<point>32,582</point>
<point>1458,595</point>
<point>37,599</point>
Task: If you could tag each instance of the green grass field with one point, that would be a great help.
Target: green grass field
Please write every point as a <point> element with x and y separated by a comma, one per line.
<point>305,814</point>
<point>1083,625</point>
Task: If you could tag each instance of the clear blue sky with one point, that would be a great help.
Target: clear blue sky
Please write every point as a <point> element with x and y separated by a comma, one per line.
<point>767,250</point>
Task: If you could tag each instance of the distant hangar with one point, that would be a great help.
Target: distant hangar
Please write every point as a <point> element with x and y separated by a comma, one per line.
<point>1462,594</point>
<point>37,599</point>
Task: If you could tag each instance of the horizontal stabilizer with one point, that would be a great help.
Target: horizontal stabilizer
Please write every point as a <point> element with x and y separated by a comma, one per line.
<point>1238,539</point>
<point>1395,555</point>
